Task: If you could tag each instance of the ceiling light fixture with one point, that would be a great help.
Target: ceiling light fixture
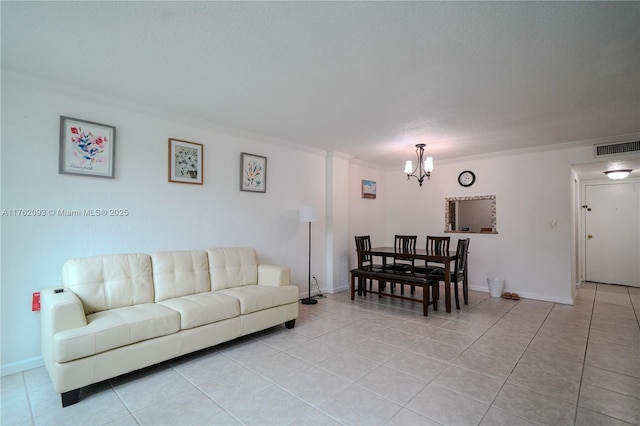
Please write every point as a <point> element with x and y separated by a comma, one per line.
<point>617,174</point>
<point>424,167</point>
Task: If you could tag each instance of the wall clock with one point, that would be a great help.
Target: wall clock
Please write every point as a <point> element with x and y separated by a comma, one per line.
<point>466,178</point>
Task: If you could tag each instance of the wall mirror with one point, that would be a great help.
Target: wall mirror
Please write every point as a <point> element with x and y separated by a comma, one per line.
<point>470,214</point>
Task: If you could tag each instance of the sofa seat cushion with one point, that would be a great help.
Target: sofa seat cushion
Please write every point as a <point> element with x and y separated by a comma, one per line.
<point>114,328</point>
<point>203,308</point>
<point>255,298</point>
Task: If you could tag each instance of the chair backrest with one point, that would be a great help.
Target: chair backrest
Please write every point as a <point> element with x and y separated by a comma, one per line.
<point>363,243</point>
<point>461,256</point>
<point>405,243</point>
<point>438,244</point>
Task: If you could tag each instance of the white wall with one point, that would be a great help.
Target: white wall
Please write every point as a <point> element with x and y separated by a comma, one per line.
<point>162,215</point>
<point>367,216</point>
<point>338,222</point>
<point>532,189</point>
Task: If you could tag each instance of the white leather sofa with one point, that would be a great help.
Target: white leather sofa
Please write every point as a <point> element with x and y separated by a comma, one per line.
<point>123,312</point>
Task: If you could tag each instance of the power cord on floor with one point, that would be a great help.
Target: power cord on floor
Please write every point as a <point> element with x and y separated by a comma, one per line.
<point>314,282</point>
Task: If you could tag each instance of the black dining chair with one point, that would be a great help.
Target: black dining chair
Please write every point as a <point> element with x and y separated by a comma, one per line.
<point>365,261</point>
<point>458,274</point>
<point>435,245</point>
<point>403,244</point>
<point>438,244</point>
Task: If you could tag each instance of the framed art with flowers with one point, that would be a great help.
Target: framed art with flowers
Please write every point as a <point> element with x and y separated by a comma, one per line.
<point>86,148</point>
<point>185,162</point>
<point>253,173</point>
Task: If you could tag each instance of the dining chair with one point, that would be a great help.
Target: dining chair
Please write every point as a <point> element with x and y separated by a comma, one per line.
<point>434,245</point>
<point>403,243</point>
<point>365,261</point>
<point>437,245</point>
<point>458,274</point>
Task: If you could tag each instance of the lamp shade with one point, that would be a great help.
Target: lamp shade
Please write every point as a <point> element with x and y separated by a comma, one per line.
<point>428,164</point>
<point>408,167</point>
<point>309,214</point>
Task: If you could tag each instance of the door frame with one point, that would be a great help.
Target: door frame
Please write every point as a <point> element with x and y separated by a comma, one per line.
<point>582,257</point>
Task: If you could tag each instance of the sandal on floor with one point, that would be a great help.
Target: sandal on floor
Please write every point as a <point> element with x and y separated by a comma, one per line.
<point>506,295</point>
<point>515,296</point>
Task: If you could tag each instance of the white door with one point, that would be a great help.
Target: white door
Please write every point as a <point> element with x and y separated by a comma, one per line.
<point>612,225</point>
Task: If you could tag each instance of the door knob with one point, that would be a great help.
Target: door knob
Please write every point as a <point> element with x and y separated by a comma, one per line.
<point>589,237</point>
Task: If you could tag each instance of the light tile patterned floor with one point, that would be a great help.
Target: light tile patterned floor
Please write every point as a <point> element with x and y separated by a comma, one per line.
<point>379,361</point>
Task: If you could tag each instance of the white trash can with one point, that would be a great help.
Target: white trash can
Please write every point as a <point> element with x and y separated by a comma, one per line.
<point>496,286</point>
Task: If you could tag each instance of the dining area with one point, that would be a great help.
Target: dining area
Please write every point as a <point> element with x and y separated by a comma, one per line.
<point>408,272</point>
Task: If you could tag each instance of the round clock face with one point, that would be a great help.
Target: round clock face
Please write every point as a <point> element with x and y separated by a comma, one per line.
<point>466,178</point>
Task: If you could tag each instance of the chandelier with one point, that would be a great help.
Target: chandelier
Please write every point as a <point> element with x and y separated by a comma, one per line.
<point>423,168</point>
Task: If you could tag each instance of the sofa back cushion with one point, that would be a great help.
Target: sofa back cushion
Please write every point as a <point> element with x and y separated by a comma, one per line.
<point>180,273</point>
<point>108,282</point>
<point>232,267</point>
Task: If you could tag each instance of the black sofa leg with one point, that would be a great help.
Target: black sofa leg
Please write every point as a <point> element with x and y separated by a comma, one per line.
<point>290,324</point>
<point>70,398</point>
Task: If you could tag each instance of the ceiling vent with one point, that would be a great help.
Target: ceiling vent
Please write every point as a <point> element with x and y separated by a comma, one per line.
<point>610,149</point>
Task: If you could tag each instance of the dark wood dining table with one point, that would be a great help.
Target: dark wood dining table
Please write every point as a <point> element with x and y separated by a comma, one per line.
<point>431,256</point>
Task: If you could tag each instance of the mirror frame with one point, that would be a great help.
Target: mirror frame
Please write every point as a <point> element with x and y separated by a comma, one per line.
<point>447,203</point>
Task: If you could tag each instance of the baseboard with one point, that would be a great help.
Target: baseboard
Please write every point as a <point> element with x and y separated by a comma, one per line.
<point>340,289</point>
<point>23,365</point>
<point>527,295</point>
<point>314,293</point>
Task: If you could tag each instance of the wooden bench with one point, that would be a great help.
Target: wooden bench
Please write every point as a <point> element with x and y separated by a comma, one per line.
<point>393,276</point>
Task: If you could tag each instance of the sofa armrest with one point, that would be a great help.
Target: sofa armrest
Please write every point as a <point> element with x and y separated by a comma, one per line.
<point>274,276</point>
<point>59,312</point>
<point>62,311</point>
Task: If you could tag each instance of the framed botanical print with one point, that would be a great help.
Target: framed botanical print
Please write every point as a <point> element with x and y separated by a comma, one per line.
<point>86,148</point>
<point>253,173</point>
<point>185,161</point>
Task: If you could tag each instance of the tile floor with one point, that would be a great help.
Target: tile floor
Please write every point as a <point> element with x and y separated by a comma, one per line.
<point>372,361</point>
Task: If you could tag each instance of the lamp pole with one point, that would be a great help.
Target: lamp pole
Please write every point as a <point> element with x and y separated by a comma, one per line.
<point>309,214</point>
<point>309,300</point>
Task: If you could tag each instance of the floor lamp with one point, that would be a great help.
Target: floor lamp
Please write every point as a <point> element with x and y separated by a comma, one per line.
<point>309,214</point>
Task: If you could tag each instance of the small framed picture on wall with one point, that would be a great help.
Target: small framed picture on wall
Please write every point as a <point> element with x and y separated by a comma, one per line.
<point>185,162</point>
<point>86,148</point>
<point>369,189</point>
<point>253,173</point>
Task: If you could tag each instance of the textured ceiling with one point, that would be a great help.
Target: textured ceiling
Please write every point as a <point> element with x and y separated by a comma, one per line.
<point>369,79</point>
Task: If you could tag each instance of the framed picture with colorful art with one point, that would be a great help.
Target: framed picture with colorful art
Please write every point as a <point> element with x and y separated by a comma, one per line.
<point>86,148</point>
<point>185,162</point>
<point>253,173</point>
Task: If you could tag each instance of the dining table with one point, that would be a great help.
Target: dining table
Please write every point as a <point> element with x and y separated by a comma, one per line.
<point>430,256</point>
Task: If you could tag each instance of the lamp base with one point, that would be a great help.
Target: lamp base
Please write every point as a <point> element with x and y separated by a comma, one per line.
<point>308,301</point>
